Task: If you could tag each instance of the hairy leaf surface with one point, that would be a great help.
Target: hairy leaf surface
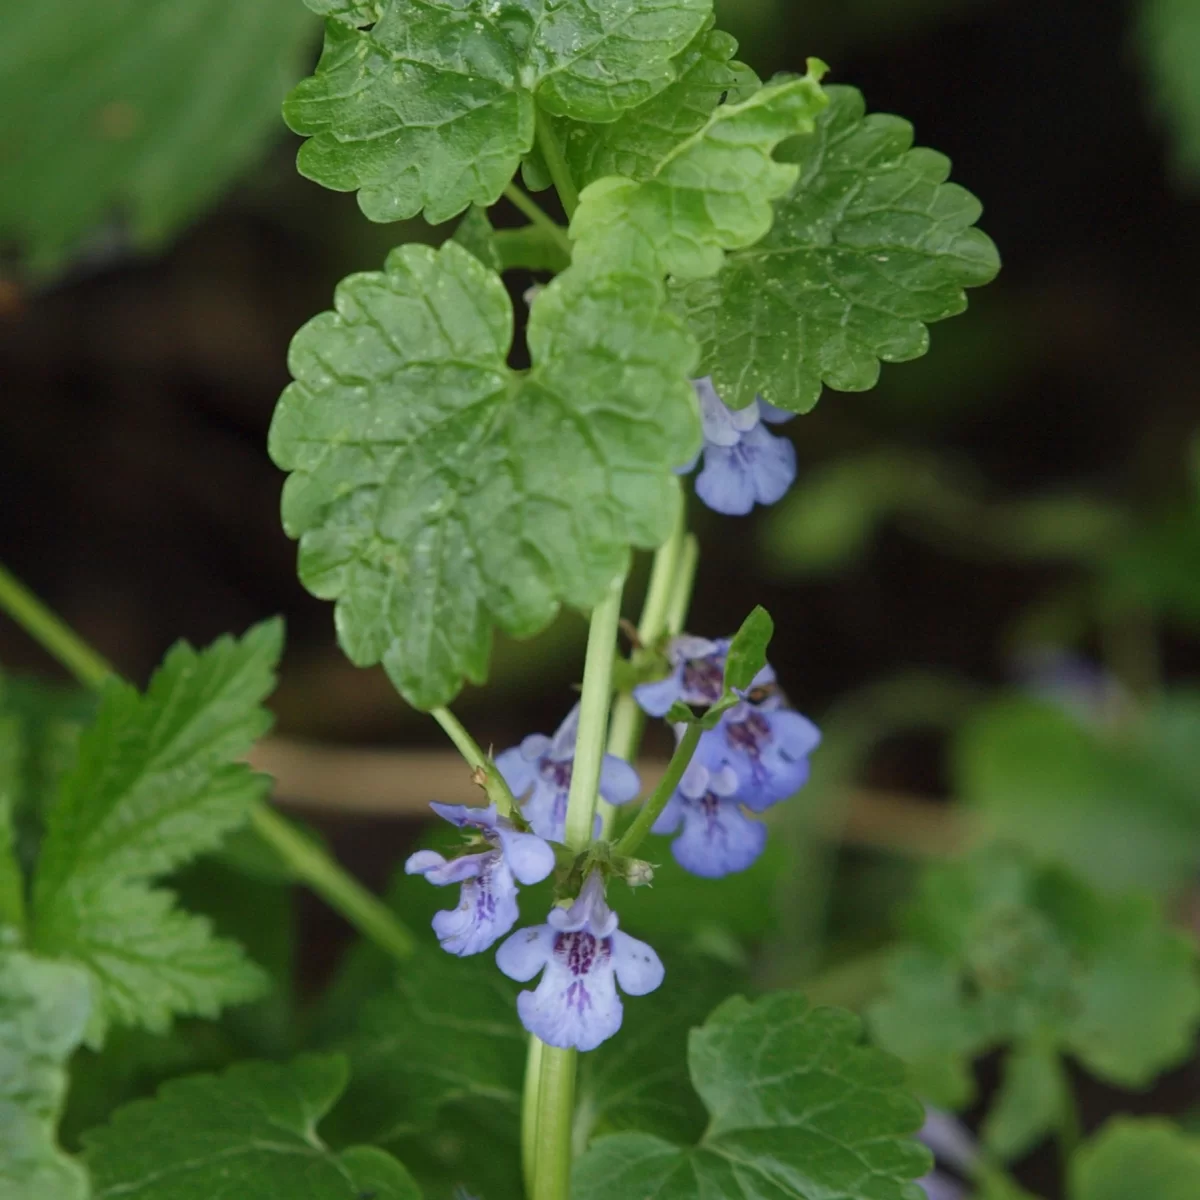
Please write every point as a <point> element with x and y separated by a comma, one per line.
<point>436,493</point>
<point>433,108</point>
<point>868,247</point>
<point>798,1107</point>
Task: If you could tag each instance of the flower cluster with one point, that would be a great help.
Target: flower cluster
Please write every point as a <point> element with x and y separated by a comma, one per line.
<point>755,757</point>
<point>744,463</point>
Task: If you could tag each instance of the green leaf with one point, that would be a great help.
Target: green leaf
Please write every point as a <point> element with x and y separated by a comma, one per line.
<point>1119,806</point>
<point>249,1133</point>
<point>639,140</point>
<point>158,779</point>
<point>869,246</point>
<point>436,493</point>
<point>434,107</point>
<point>748,650</point>
<point>1029,1103</point>
<point>1170,41</point>
<point>444,1031</point>
<point>709,194</point>
<point>798,1108</point>
<point>43,1010</point>
<point>350,12</point>
<point>475,234</point>
<point>124,121</point>
<point>639,1081</point>
<point>1137,1157</point>
<point>1004,952</point>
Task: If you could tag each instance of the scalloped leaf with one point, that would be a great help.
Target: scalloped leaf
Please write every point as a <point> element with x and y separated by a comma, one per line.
<point>798,1108</point>
<point>437,494</point>
<point>250,1132</point>
<point>870,246</point>
<point>434,107</point>
<point>709,194</point>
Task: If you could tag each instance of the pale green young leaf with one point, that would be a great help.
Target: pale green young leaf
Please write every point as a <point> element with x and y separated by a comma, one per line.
<point>249,1133</point>
<point>1129,1157</point>
<point>437,494</point>
<point>43,1010</point>
<point>475,233</point>
<point>124,120</point>
<point>638,140</point>
<point>748,650</point>
<point>434,107</point>
<point>709,194</point>
<point>158,779</point>
<point>798,1107</point>
<point>1170,42</point>
<point>869,246</point>
<point>1002,952</point>
<point>1029,1104</point>
<point>444,1031</point>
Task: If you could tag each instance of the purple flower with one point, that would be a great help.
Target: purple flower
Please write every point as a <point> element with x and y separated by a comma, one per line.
<point>718,838</point>
<point>953,1145</point>
<point>541,767</point>
<point>767,748</point>
<point>583,955</point>
<point>941,1187</point>
<point>487,906</point>
<point>744,464</point>
<point>697,676</point>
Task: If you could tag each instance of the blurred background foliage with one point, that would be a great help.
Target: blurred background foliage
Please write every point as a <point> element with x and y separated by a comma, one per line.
<point>986,583</point>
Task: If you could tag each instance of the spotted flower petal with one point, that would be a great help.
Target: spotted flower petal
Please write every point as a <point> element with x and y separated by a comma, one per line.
<point>582,956</point>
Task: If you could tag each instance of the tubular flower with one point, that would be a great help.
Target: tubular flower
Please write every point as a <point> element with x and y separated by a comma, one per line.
<point>582,956</point>
<point>697,676</point>
<point>539,770</point>
<point>717,838</point>
<point>744,464</point>
<point>487,906</point>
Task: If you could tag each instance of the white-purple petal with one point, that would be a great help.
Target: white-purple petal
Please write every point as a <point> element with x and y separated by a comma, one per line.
<point>638,968</point>
<point>771,414</point>
<point>619,782</point>
<point>572,1006</point>
<point>726,484</point>
<point>668,820</point>
<point>718,839</point>
<point>529,857</point>
<point>656,698</point>
<point>518,772</point>
<point>525,953</point>
<point>722,427</point>
<point>466,815</point>
<point>487,909</point>
<point>546,811</point>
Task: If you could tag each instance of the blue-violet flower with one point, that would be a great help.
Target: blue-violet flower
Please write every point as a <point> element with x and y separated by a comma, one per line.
<point>766,746</point>
<point>487,906</point>
<point>697,676</point>
<point>718,838</point>
<point>583,955</point>
<point>540,768</point>
<point>744,464</point>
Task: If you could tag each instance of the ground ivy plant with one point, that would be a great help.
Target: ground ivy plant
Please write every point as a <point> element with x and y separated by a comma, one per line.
<point>465,455</point>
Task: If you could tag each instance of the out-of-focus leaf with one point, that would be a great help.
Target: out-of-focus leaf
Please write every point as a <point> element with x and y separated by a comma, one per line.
<point>1137,1158</point>
<point>1170,41</point>
<point>1119,805</point>
<point>134,115</point>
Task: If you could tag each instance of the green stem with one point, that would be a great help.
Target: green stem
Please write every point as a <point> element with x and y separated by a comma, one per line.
<point>529,1111</point>
<point>495,785</point>
<point>533,210</point>
<point>632,838</point>
<point>628,720</point>
<point>593,717</point>
<point>556,1110</point>
<point>556,164</point>
<point>685,581</point>
<point>310,864</point>
<point>51,632</point>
